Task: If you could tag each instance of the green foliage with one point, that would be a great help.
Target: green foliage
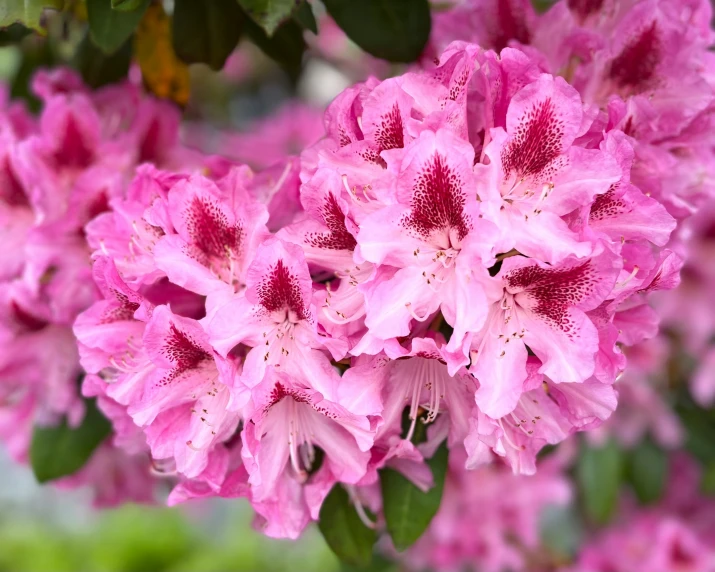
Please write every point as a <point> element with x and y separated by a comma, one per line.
<point>599,471</point>
<point>285,46</point>
<point>345,533</point>
<point>62,450</point>
<point>395,30</point>
<point>98,68</point>
<point>303,14</point>
<point>408,510</point>
<point>561,531</point>
<point>109,28</point>
<point>127,5</point>
<point>26,12</point>
<point>268,14</point>
<point>647,471</point>
<point>206,31</point>
<point>141,538</point>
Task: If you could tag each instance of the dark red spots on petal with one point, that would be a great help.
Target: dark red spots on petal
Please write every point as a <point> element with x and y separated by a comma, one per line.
<point>438,201</point>
<point>183,351</point>
<point>124,311</point>
<point>555,291</point>
<point>428,355</point>
<point>372,155</point>
<point>584,8</point>
<point>510,24</point>
<point>72,151</point>
<point>608,205</point>
<point>536,143</point>
<point>211,234</point>
<point>280,392</point>
<point>389,133</point>
<point>280,290</point>
<point>338,237</point>
<point>635,67</point>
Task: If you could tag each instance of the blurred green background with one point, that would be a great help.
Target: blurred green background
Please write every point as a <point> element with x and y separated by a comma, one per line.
<point>48,530</point>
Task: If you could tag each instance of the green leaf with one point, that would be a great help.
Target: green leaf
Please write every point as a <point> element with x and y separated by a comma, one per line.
<point>598,474</point>
<point>98,68</point>
<point>126,5</point>
<point>62,450</point>
<point>346,535</point>
<point>395,30</point>
<point>647,471</point>
<point>303,14</point>
<point>26,12</point>
<point>268,14</point>
<point>108,28</point>
<point>561,531</point>
<point>285,46</point>
<point>206,31</point>
<point>408,510</point>
<point>707,481</point>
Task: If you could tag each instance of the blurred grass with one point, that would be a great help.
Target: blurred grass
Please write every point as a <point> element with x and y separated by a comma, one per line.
<point>153,539</point>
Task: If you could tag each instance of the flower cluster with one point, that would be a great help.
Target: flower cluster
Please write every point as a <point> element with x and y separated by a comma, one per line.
<point>57,172</point>
<point>459,263</point>
<point>468,252</point>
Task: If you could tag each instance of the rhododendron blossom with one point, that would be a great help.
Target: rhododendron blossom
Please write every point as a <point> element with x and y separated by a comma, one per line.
<point>463,266</point>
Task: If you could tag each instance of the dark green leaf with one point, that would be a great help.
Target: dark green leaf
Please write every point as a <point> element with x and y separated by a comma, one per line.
<point>206,31</point>
<point>699,429</point>
<point>110,29</point>
<point>408,510</point>
<point>98,68</point>
<point>598,474</point>
<point>268,14</point>
<point>346,535</point>
<point>707,481</point>
<point>13,34</point>
<point>647,471</point>
<point>541,6</point>
<point>35,54</point>
<point>26,12</point>
<point>62,450</point>
<point>126,5</point>
<point>303,14</point>
<point>395,30</point>
<point>286,46</point>
<point>419,435</point>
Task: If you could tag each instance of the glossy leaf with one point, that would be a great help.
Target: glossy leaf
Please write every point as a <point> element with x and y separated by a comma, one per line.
<point>285,46</point>
<point>647,471</point>
<point>346,535</point>
<point>165,75</point>
<point>26,12</point>
<point>408,510</point>
<point>268,14</point>
<point>599,473</point>
<point>303,14</point>
<point>127,5</point>
<point>62,450</point>
<point>206,31</point>
<point>109,28</point>
<point>395,30</point>
<point>98,68</point>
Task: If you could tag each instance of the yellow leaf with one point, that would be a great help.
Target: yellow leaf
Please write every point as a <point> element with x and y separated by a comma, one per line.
<point>164,74</point>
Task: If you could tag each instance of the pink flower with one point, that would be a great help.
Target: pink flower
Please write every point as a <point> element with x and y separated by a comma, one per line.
<point>277,321</point>
<point>433,235</point>
<point>542,307</point>
<point>536,174</point>
<point>218,228</point>
<point>287,421</point>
